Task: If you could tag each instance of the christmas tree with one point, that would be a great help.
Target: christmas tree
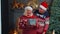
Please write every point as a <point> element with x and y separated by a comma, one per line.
<point>55,17</point>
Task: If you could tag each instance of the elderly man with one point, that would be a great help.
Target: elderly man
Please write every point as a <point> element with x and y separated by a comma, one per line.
<point>43,15</point>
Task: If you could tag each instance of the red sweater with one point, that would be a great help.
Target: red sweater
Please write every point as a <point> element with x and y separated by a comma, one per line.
<point>27,29</point>
<point>43,25</point>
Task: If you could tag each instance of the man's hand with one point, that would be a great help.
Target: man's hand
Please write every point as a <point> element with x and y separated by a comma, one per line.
<point>43,32</point>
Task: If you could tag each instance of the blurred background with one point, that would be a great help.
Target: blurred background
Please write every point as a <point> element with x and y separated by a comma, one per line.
<point>16,9</point>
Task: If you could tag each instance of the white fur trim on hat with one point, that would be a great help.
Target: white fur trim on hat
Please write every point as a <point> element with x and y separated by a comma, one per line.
<point>28,8</point>
<point>41,6</point>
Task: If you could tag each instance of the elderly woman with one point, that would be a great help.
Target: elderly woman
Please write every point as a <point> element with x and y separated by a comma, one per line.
<point>28,22</point>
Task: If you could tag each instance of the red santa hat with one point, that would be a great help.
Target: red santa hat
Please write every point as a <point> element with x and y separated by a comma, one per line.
<point>44,5</point>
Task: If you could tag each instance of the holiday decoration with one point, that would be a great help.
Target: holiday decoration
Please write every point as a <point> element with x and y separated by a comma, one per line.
<point>33,3</point>
<point>21,5</point>
<point>15,4</point>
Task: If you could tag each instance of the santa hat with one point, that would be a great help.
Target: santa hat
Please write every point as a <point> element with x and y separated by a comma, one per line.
<point>44,5</point>
<point>28,8</point>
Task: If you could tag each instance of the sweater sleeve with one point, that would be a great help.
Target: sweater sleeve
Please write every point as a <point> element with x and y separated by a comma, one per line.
<point>21,23</point>
<point>46,24</point>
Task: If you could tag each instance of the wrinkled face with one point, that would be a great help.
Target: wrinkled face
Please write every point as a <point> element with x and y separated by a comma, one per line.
<point>29,12</point>
<point>41,11</point>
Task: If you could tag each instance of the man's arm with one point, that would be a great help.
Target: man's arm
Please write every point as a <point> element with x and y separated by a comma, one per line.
<point>46,25</point>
